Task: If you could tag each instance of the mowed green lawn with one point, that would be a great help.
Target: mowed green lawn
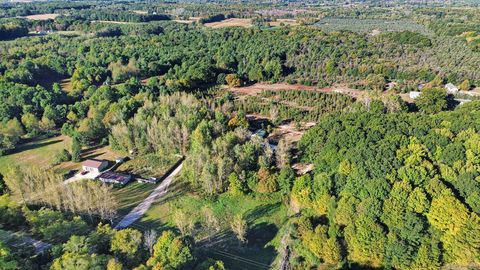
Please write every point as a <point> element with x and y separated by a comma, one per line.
<point>146,166</point>
<point>39,153</point>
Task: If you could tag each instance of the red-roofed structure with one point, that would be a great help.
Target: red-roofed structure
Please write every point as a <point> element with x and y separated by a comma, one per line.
<point>93,165</point>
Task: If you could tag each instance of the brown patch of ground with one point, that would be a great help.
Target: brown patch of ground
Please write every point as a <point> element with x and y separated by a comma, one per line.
<point>291,131</point>
<point>184,21</point>
<point>302,168</point>
<point>258,88</point>
<point>66,85</point>
<point>140,12</point>
<point>279,22</point>
<point>255,89</point>
<point>41,17</point>
<point>230,23</point>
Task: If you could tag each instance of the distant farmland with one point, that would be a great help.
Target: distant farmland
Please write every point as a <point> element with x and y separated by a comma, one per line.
<point>41,17</point>
<point>374,26</point>
<point>230,22</point>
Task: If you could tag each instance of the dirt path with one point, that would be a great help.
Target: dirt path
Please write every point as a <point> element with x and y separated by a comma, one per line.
<point>140,209</point>
<point>24,240</point>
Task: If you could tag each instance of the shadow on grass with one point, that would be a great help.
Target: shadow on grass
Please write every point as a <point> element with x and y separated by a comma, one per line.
<point>261,234</point>
<point>93,156</point>
<point>255,254</point>
<point>31,146</point>
<point>262,210</point>
<point>90,152</point>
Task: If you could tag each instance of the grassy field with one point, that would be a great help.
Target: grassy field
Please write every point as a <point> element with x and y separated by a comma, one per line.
<point>41,153</point>
<point>130,196</point>
<point>38,153</point>
<point>265,216</point>
<point>148,165</point>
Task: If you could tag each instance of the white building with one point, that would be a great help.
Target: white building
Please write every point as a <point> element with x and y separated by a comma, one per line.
<point>92,165</point>
<point>414,94</point>
<point>451,88</point>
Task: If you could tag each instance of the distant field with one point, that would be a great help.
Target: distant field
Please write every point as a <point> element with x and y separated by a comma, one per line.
<point>116,22</point>
<point>41,17</point>
<point>140,12</point>
<point>279,22</point>
<point>230,22</point>
<point>184,21</point>
<point>373,26</point>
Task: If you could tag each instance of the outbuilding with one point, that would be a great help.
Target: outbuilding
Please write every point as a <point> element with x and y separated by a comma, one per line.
<point>451,88</point>
<point>93,165</point>
<point>115,178</point>
<point>414,94</point>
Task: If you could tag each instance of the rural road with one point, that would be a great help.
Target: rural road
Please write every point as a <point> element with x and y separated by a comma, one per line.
<point>140,209</point>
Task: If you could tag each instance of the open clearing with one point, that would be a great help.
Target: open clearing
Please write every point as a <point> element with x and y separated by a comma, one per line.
<point>279,22</point>
<point>41,153</point>
<point>258,88</point>
<point>148,165</point>
<point>265,215</point>
<point>66,85</point>
<point>38,153</point>
<point>184,21</point>
<point>41,17</point>
<point>160,191</point>
<point>230,23</point>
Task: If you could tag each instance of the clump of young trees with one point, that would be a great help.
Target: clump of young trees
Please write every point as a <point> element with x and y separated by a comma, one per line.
<point>42,187</point>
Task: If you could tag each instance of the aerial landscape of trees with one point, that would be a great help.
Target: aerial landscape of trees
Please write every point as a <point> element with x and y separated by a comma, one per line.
<point>298,144</point>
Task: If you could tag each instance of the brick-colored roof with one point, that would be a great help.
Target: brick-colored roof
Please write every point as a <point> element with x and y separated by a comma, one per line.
<point>92,163</point>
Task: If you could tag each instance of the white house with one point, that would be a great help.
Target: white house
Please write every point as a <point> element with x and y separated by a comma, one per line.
<point>414,94</point>
<point>451,88</point>
<point>96,166</point>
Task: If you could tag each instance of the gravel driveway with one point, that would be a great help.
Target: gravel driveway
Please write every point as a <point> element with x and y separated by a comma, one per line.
<point>140,209</point>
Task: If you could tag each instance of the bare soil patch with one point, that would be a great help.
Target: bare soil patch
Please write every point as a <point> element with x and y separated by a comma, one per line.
<point>230,23</point>
<point>291,131</point>
<point>257,88</point>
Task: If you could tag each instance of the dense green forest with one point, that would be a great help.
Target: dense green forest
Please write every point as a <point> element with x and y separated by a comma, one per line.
<point>394,182</point>
<point>397,190</point>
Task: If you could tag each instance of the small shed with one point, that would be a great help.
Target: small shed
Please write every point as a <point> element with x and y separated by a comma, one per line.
<point>414,94</point>
<point>93,165</point>
<point>115,178</point>
<point>451,88</point>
